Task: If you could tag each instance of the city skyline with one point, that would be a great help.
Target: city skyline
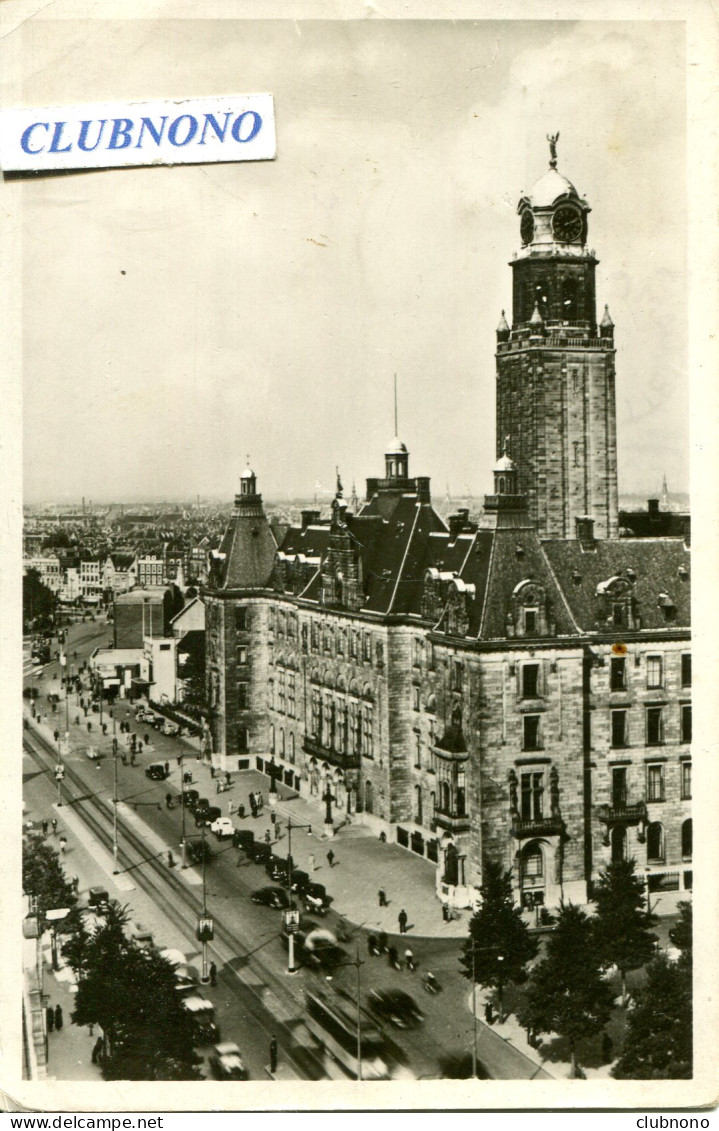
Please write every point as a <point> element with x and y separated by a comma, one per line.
<point>183,366</point>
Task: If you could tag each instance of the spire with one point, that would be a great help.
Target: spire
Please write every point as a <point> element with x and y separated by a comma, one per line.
<point>503,329</point>
<point>606,326</point>
<point>536,321</point>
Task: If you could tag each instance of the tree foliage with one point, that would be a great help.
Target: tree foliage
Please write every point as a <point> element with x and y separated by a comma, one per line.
<point>129,991</point>
<point>566,994</point>
<point>622,923</point>
<point>499,945</point>
<point>658,1041</point>
<point>38,601</point>
<point>44,877</point>
<point>681,934</point>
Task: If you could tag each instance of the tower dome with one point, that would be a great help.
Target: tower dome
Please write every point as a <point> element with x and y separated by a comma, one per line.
<point>551,187</point>
<point>396,459</point>
<point>396,447</point>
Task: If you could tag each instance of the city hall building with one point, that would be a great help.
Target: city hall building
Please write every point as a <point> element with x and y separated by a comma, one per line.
<point>517,689</point>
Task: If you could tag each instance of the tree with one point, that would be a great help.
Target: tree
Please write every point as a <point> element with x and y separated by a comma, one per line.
<point>658,1041</point>
<point>566,994</point>
<point>499,945</point>
<point>622,921</point>
<point>681,934</point>
<point>130,992</point>
<point>44,878</point>
<point>38,601</point>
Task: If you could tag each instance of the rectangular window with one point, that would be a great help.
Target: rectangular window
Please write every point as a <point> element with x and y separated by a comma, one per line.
<point>654,671</point>
<point>430,655</point>
<point>655,782</point>
<point>242,654</point>
<point>367,742</point>
<point>456,675</point>
<point>240,619</point>
<point>530,681</point>
<point>366,646</point>
<point>532,793</point>
<point>417,650</point>
<point>531,732</point>
<point>242,740</point>
<point>242,696</point>
<point>686,669</point>
<point>315,636</point>
<point>618,673</point>
<point>418,751</point>
<point>619,728</point>
<point>291,696</point>
<point>415,698</point>
<point>530,622</point>
<point>341,642</point>
<point>655,726</point>
<point>281,692</point>
<point>164,647</point>
<point>687,722</point>
<point>619,787</point>
<point>686,769</point>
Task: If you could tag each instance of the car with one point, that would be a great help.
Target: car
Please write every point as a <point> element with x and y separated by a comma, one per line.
<point>192,796</point>
<point>98,899</point>
<point>226,1062</point>
<point>222,827</point>
<point>93,754</point>
<point>197,850</point>
<point>206,816</point>
<point>140,711</point>
<point>271,897</point>
<point>148,717</point>
<point>243,838</point>
<point>157,721</point>
<point>395,1006</point>
<point>319,953</point>
<point>156,771</point>
<point>170,728</point>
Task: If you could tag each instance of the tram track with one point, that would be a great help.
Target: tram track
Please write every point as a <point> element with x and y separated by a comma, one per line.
<point>173,898</point>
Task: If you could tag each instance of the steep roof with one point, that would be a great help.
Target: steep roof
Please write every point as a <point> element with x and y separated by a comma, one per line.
<point>246,554</point>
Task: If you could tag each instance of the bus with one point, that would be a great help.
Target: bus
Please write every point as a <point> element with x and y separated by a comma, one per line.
<point>332,1021</point>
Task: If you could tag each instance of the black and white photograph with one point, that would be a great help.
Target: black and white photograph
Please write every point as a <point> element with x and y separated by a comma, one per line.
<point>352,463</point>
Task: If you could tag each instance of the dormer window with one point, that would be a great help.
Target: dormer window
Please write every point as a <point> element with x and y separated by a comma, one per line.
<point>530,621</point>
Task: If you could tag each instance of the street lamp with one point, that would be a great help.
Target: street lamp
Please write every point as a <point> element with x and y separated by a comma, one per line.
<point>328,798</point>
<point>205,923</point>
<point>291,920</point>
<point>55,916</point>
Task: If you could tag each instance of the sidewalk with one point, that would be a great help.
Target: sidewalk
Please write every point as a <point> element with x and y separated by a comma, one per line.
<point>362,863</point>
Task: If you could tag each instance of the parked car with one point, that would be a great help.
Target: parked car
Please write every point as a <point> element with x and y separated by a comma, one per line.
<point>149,717</point>
<point>271,897</point>
<point>139,711</point>
<point>98,899</point>
<point>93,753</point>
<point>170,728</point>
<point>316,899</point>
<point>226,1062</point>
<point>156,771</point>
<point>157,721</point>
<point>276,868</point>
<point>207,815</point>
<point>222,827</point>
<point>259,852</point>
<point>395,1006</point>
<point>243,838</point>
<point>202,1012</point>
<point>196,849</point>
<point>192,796</point>
<point>321,954</point>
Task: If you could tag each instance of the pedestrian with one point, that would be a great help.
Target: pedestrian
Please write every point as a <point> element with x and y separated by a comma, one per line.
<point>50,1018</point>
<point>229,809</point>
<point>253,805</point>
<point>167,769</point>
<point>260,801</point>
<point>97,1050</point>
<point>146,738</point>
<point>56,734</point>
<point>139,747</point>
<point>44,828</point>
<point>402,920</point>
<point>445,912</point>
<point>58,1017</point>
<point>489,1013</point>
<point>312,862</point>
<point>273,817</point>
<point>179,761</point>
<point>382,941</point>
<point>382,898</point>
<point>54,826</point>
<point>268,837</point>
<point>104,728</point>
<point>76,888</point>
<point>331,858</point>
<point>212,772</point>
<point>89,726</point>
<point>63,845</point>
<point>132,757</point>
<point>124,758</point>
<point>170,860</point>
<point>228,781</point>
<point>273,1055</point>
<point>213,974</point>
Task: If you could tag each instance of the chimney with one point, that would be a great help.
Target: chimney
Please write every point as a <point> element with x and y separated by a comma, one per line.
<point>653,508</point>
<point>422,484</point>
<point>585,532</point>
<point>457,522</point>
<point>309,517</point>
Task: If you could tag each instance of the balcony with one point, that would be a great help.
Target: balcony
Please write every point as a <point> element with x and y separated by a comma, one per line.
<point>329,754</point>
<point>537,826</point>
<point>622,814</point>
<point>451,821</point>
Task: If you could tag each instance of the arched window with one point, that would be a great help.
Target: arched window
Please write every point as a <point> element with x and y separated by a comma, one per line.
<point>533,861</point>
<point>687,839</point>
<point>655,842</point>
<point>368,797</point>
<point>444,797</point>
<point>619,844</point>
<point>569,300</point>
<point>433,802</point>
<point>418,804</point>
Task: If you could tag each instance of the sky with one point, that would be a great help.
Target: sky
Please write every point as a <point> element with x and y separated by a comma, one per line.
<point>176,320</point>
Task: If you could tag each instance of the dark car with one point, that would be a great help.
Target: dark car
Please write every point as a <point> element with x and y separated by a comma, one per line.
<point>276,868</point>
<point>156,771</point>
<point>243,838</point>
<point>300,881</point>
<point>205,816</point>
<point>271,897</point>
<point>196,849</point>
<point>98,899</point>
<point>226,1062</point>
<point>316,953</point>
<point>395,1006</point>
<point>316,898</point>
<point>259,852</point>
<point>192,796</point>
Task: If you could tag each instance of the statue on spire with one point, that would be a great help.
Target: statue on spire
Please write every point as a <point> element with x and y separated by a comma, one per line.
<point>505,452</point>
<point>553,139</point>
<point>339,483</point>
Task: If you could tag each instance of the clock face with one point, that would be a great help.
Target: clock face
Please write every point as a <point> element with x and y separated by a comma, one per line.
<point>567,224</point>
<point>526,228</point>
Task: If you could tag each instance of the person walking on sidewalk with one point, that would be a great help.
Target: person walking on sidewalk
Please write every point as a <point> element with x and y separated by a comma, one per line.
<point>50,1018</point>
<point>167,769</point>
<point>331,858</point>
<point>213,974</point>
<point>97,1051</point>
<point>54,826</point>
<point>58,1017</point>
<point>312,862</point>
<point>63,845</point>
<point>273,1055</point>
<point>402,920</point>
<point>45,827</point>
<point>382,898</point>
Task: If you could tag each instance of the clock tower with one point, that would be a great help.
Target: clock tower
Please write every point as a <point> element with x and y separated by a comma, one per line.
<point>555,367</point>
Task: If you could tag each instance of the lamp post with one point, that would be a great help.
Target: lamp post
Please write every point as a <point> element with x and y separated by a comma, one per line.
<point>327,798</point>
<point>183,797</point>
<point>291,917</point>
<point>205,923</point>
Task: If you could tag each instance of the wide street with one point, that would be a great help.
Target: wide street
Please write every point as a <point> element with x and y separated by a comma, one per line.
<point>441,1046</point>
